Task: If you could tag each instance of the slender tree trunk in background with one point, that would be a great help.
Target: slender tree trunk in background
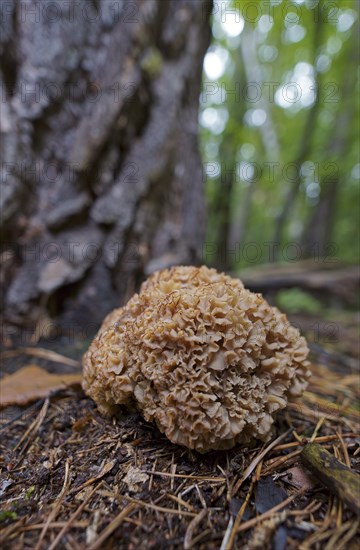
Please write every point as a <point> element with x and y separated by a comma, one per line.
<point>101,173</point>
<point>222,207</point>
<point>241,218</point>
<point>253,74</point>
<point>304,150</point>
<point>319,232</point>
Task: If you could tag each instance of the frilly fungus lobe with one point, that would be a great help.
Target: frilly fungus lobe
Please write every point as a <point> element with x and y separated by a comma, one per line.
<point>205,358</point>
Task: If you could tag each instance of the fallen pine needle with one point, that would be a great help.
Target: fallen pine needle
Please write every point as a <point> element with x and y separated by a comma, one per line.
<point>326,533</point>
<point>184,476</point>
<point>317,428</point>
<point>251,522</point>
<point>57,504</point>
<point>181,502</point>
<point>321,439</point>
<point>344,450</point>
<point>55,525</point>
<point>35,425</point>
<point>279,461</point>
<point>72,519</point>
<point>229,543</point>
<point>160,508</point>
<point>191,527</point>
<point>249,470</point>
<point>113,525</point>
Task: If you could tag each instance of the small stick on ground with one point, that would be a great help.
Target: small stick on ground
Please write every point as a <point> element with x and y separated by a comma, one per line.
<point>42,353</point>
<point>112,526</point>
<point>192,526</point>
<point>339,479</point>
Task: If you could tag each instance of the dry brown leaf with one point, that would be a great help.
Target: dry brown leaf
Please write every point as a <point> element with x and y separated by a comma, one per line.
<point>135,478</point>
<point>31,383</point>
<point>298,477</point>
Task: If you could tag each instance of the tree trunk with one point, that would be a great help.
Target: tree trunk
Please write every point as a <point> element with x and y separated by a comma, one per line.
<point>305,145</point>
<point>319,231</point>
<point>101,174</point>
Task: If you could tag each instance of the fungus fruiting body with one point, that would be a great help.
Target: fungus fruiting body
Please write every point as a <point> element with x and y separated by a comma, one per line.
<point>207,360</point>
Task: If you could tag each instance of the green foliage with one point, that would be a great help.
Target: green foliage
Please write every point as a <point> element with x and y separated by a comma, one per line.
<point>296,300</point>
<point>7,514</point>
<point>279,107</point>
<point>29,492</point>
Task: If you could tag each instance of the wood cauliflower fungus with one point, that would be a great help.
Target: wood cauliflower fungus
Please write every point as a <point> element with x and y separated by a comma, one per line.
<point>205,358</point>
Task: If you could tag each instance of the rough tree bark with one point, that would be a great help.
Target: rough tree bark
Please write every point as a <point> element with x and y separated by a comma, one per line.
<point>101,174</point>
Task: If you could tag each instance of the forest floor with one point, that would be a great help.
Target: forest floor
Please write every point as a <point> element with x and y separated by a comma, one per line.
<point>72,479</point>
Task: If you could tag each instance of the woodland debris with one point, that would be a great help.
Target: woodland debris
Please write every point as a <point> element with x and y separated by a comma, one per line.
<point>31,383</point>
<point>338,477</point>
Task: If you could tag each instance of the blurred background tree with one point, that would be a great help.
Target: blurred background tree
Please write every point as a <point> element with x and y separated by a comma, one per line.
<point>280,132</point>
<point>100,164</point>
<point>103,182</point>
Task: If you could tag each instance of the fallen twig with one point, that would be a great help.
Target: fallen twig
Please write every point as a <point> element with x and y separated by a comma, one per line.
<point>339,479</point>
